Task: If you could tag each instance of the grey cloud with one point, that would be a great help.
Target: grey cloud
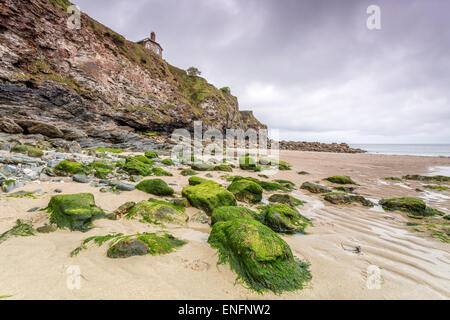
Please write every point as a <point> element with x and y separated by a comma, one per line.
<point>310,68</point>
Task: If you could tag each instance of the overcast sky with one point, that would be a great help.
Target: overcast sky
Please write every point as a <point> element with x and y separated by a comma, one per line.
<point>310,68</point>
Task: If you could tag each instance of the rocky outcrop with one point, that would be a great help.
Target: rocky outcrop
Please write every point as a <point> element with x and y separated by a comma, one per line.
<point>92,83</point>
<point>319,147</point>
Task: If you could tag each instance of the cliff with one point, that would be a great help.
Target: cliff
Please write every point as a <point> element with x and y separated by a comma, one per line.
<point>92,83</point>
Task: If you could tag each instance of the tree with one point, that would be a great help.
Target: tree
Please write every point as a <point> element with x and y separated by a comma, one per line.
<point>193,72</point>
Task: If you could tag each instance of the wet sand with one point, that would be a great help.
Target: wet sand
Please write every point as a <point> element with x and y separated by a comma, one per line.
<point>412,265</point>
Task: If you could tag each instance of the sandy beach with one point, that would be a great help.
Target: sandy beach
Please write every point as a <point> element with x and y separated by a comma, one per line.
<point>412,265</point>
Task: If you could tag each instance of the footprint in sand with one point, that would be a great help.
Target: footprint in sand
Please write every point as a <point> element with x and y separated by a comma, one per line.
<point>196,265</point>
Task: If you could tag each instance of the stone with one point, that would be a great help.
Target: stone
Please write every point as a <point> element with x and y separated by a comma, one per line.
<point>246,190</point>
<point>155,186</point>
<point>208,196</point>
<point>80,178</point>
<point>315,188</point>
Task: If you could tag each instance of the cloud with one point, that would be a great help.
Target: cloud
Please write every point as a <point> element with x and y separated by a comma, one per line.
<point>310,68</point>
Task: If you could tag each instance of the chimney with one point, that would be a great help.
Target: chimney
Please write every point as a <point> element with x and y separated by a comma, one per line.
<point>153,36</point>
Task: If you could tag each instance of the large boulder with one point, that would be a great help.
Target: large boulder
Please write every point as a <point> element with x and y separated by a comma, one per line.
<point>155,186</point>
<point>9,126</point>
<point>260,257</point>
<point>74,211</point>
<point>246,190</point>
<point>45,129</point>
<point>155,211</point>
<point>208,196</point>
<point>283,218</point>
<point>67,167</point>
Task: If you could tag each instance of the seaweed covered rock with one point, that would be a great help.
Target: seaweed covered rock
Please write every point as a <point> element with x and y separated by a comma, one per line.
<point>201,166</point>
<point>135,167</point>
<point>266,185</point>
<point>260,258</point>
<point>74,211</point>
<point>155,211</point>
<point>314,188</point>
<point>282,165</point>
<point>28,150</point>
<point>159,172</point>
<point>286,199</point>
<point>67,167</point>
<point>427,178</point>
<point>246,190</point>
<point>168,162</point>
<point>208,196</point>
<point>340,180</point>
<point>142,244</point>
<point>193,181</point>
<point>233,212</point>
<point>10,185</point>
<point>102,173</point>
<point>413,206</point>
<point>151,155</point>
<point>188,172</point>
<point>286,184</point>
<point>283,218</point>
<point>343,198</point>
<point>155,186</point>
<point>223,168</point>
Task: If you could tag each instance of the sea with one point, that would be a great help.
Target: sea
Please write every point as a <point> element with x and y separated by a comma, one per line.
<point>430,150</point>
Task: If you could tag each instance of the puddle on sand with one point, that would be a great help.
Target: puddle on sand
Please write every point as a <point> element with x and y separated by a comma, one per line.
<point>197,236</point>
<point>382,182</point>
<point>429,195</point>
<point>439,171</point>
<point>377,207</point>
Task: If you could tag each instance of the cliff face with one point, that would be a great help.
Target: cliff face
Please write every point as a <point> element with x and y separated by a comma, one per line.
<point>93,82</point>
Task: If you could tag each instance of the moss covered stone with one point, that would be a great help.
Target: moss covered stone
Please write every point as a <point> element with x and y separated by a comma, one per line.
<point>413,206</point>
<point>159,172</point>
<point>314,188</point>
<point>109,150</point>
<point>168,162</point>
<point>427,178</point>
<point>340,180</point>
<point>266,185</point>
<point>101,165</point>
<point>193,181</point>
<point>208,196</point>
<point>344,198</point>
<point>246,190</point>
<point>135,167</point>
<point>233,212</point>
<point>155,211</point>
<point>67,167</point>
<point>28,150</point>
<point>283,218</point>
<point>188,172</point>
<point>74,211</point>
<point>142,159</point>
<point>102,173</point>
<point>142,244</point>
<point>286,199</point>
<point>223,168</point>
<point>155,186</point>
<point>151,155</point>
<point>202,166</point>
<point>260,258</point>
<point>434,187</point>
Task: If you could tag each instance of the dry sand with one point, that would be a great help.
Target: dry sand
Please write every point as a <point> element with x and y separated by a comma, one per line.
<point>412,265</point>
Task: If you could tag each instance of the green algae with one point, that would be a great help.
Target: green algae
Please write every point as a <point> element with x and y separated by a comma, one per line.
<point>151,155</point>
<point>340,180</point>
<point>135,167</point>
<point>260,258</point>
<point>158,212</point>
<point>28,150</point>
<point>414,206</point>
<point>168,162</point>
<point>246,190</point>
<point>67,167</point>
<point>286,199</point>
<point>188,172</point>
<point>155,243</point>
<point>283,218</point>
<point>159,172</point>
<point>233,212</point>
<point>157,187</point>
<point>208,196</point>
<point>74,211</point>
<point>21,229</point>
<point>109,150</point>
<point>193,181</point>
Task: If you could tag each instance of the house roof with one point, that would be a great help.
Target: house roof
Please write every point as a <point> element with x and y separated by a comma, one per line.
<point>150,40</point>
